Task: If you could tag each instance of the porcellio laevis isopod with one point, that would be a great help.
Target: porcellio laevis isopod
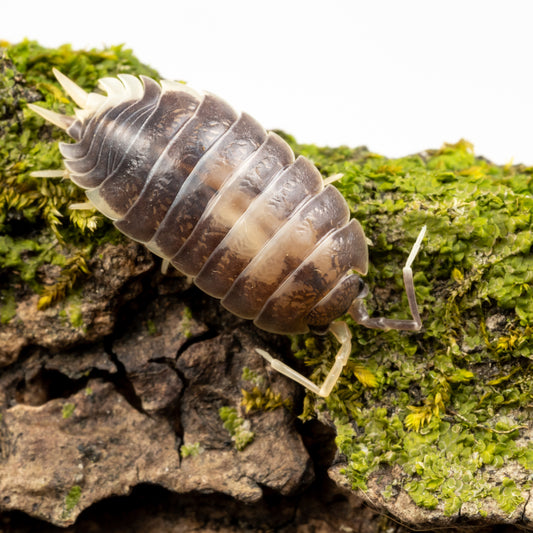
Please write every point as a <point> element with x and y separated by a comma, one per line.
<point>224,201</point>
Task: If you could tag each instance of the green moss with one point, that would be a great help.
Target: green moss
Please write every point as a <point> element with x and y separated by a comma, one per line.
<point>73,268</point>
<point>71,500</point>
<point>70,310</point>
<point>508,495</point>
<point>191,450</point>
<point>237,427</point>
<point>256,379</point>
<point>75,313</point>
<point>68,410</point>
<point>151,328</point>
<point>453,400</point>
<point>261,397</point>
<point>36,226</point>
<point>8,306</point>
<point>186,322</point>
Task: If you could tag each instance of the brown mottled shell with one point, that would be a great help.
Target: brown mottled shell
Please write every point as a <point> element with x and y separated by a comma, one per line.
<point>209,190</point>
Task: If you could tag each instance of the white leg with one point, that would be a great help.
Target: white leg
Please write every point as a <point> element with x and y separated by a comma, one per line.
<point>360,315</point>
<point>60,173</point>
<point>165,263</point>
<point>286,370</point>
<point>342,333</point>
<point>82,206</point>
<point>331,179</point>
<point>415,248</point>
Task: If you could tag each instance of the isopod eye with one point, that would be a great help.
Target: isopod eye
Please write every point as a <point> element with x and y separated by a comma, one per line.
<point>363,289</point>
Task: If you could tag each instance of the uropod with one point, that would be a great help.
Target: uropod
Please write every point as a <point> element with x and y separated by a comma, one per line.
<point>225,202</point>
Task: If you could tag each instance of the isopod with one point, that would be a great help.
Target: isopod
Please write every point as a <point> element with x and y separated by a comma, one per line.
<point>224,201</point>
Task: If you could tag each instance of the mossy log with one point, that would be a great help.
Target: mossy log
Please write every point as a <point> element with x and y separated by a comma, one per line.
<point>433,427</point>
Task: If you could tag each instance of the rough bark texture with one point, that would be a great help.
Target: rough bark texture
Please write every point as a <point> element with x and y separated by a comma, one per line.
<point>97,428</point>
<point>113,414</point>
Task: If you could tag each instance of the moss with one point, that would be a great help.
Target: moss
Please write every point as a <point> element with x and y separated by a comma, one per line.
<point>237,427</point>
<point>454,400</point>
<point>72,269</point>
<point>36,226</point>
<point>151,327</point>
<point>8,306</point>
<point>508,495</point>
<point>260,396</point>
<point>191,450</point>
<point>186,322</point>
<point>258,380</point>
<point>68,410</point>
<point>71,500</point>
<point>263,399</point>
<point>75,314</point>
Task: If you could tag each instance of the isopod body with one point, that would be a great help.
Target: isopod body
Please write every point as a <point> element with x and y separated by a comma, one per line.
<point>224,201</point>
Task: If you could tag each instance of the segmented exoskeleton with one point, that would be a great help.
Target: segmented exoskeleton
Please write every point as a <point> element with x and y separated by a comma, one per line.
<point>210,191</point>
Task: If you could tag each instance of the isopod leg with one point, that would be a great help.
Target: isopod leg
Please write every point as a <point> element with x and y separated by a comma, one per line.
<point>342,333</point>
<point>286,370</point>
<point>82,206</point>
<point>59,173</point>
<point>332,179</point>
<point>360,315</point>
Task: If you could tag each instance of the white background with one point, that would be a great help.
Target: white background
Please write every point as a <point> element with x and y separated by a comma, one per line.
<point>399,76</point>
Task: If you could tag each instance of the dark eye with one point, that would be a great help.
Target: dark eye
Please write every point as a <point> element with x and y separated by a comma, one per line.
<point>363,289</point>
